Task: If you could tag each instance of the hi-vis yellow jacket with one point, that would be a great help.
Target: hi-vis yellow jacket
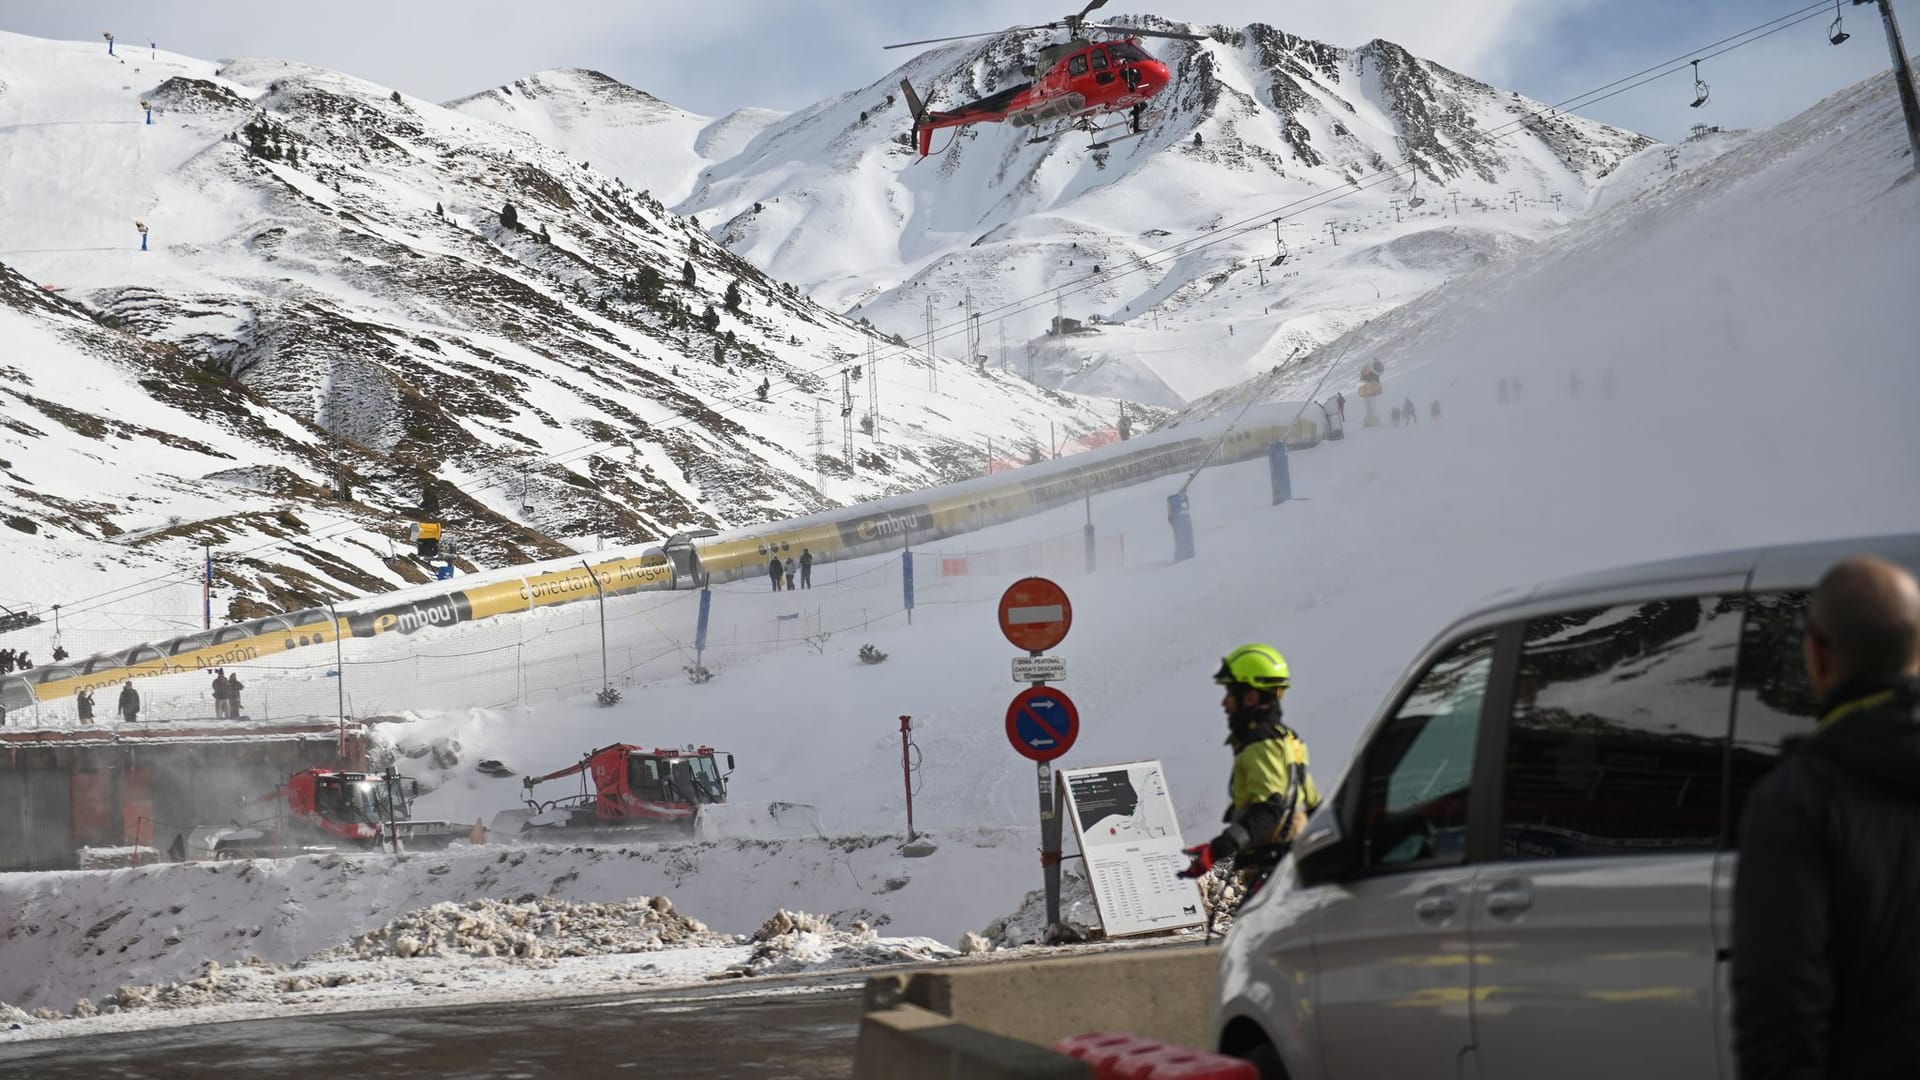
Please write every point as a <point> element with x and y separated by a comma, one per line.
<point>1269,767</point>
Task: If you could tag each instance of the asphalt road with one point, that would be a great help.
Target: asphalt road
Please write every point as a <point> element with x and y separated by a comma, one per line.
<point>685,1034</point>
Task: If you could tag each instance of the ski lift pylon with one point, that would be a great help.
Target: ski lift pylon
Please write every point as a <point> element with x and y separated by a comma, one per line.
<point>1700,90</point>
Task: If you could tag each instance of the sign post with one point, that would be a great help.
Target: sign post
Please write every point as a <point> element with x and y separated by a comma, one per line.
<point>1042,721</point>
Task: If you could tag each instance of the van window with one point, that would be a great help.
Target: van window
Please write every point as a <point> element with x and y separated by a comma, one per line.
<point>1618,737</point>
<point>1774,700</point>
<point>1419,766</point>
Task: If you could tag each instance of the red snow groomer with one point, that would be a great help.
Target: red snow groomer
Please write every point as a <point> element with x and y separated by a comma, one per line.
<point>324,810</point>
<point>653,794</point>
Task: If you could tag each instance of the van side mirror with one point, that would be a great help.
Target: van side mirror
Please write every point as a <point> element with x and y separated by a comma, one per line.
<point>1323,853</point>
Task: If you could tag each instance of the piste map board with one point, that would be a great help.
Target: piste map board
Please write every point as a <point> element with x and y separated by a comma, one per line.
<point>1124,823</point>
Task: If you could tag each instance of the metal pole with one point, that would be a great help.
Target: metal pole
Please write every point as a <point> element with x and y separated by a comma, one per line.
<point>1902,74</point>
<point>605,683</point>
<point>206,583</point>
<point>1050,843</point>
<point>906,770</point>
<point>339,681</point>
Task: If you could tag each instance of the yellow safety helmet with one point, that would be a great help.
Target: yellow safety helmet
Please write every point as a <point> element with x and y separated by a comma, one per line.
<point>1259,666</point>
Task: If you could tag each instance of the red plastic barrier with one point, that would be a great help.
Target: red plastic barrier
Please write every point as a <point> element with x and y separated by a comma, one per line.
<point>1116,1056</point>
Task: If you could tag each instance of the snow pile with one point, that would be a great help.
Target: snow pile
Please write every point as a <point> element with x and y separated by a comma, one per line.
<point>530,928</point>
<point>485,920</point>
<point>794,941</point>
<point>1027,925</point>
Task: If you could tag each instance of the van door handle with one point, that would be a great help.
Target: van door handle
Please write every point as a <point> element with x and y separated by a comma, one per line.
<point>1510,898</point>
<point>1434,906</point>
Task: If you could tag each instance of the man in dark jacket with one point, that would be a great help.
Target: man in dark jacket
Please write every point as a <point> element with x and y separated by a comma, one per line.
<point>806,568</point>
<point>129,703</point>
<point>1826,938</point>
<point>774,571</point>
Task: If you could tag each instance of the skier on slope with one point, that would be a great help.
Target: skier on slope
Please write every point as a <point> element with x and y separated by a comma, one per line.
<point>1271,788</point>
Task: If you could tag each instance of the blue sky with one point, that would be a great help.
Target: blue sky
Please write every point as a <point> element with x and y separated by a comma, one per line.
<point>719,55</point>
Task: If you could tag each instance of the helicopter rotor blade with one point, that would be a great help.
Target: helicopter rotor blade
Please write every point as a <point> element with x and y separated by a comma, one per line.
<point>963,37</point>
<point>1092,6</point>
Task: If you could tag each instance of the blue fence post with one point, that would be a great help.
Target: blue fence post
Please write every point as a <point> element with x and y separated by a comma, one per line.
<point>1277,470</point>
<point>1182,523</point>
<point>906,581</point>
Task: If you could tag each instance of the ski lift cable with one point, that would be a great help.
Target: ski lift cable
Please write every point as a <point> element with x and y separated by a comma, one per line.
<point>1295,208</point>
<point>1315,200</point>
<point>1200,242</point>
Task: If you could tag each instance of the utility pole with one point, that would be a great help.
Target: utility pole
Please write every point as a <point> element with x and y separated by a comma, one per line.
<point>1331,231</point>
<point>1903,74</point>
<point>933,378</point>
<point>846,416</point>
<point>873,389</point>
<point>1455,195</point>
<point>1396,211</point>
<point>819,447</point>
<point>1003,342</point>
<point>1514,194</point>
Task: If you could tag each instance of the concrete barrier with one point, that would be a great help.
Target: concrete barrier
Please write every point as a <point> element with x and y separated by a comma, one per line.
<point>909,1041</point>
<point>1161,993</point>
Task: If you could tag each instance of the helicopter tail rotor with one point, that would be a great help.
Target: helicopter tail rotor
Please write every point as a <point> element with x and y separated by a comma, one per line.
<point>914,104</point>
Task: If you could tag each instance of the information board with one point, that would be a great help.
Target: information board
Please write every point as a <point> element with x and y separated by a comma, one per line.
<point>1123,820</point>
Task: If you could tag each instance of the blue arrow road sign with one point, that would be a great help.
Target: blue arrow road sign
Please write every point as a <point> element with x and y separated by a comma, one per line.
<point>1042,723</point>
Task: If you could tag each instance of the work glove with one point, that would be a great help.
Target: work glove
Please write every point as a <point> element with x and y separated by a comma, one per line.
<point>1202,863</point>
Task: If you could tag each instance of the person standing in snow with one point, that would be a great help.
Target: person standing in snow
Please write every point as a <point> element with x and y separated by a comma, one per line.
<point>1271,789</point>
<point>129,702</point>
<point>789,569</point>
<point>84,702</point>
<point>234,687</point>
<point>1412,411</point>
<point>219,694</point>
<point>1826,951</point>
<point>1434,412</point>
<point>773,571</point>
<point>1396,416</point>
<point>806,568</point>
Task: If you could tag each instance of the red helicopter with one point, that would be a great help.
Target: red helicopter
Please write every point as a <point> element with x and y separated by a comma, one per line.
<point>1083,78</point>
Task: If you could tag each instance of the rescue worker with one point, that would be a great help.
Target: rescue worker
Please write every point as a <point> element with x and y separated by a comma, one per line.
<point>1271,788</point>
<point>774,571</point>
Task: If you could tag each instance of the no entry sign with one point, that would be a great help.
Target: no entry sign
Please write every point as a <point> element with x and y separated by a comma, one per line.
<point>1035,614</point>
<point>1042,723</point>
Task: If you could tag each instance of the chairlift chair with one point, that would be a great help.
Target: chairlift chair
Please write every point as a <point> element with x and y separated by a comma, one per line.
<point>1835,35</point>
<point>1699,87</point>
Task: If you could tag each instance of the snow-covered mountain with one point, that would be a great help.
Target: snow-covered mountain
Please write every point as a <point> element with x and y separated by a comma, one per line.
<point>637,138</point>
<point>334,289</point>
<point>1259,124</point>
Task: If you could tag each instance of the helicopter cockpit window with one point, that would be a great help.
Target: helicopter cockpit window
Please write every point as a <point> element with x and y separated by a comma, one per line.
<point>1099,59</point>
<point>1078,65</point>
<point>1126,50</point>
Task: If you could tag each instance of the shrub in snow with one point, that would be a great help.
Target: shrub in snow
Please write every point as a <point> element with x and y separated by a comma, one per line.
<point>608,696</point>
<point>699,673</point>
<point>871,655</point>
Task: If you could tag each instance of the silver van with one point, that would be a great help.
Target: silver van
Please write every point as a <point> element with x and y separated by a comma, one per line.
<point>1526,870</point>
